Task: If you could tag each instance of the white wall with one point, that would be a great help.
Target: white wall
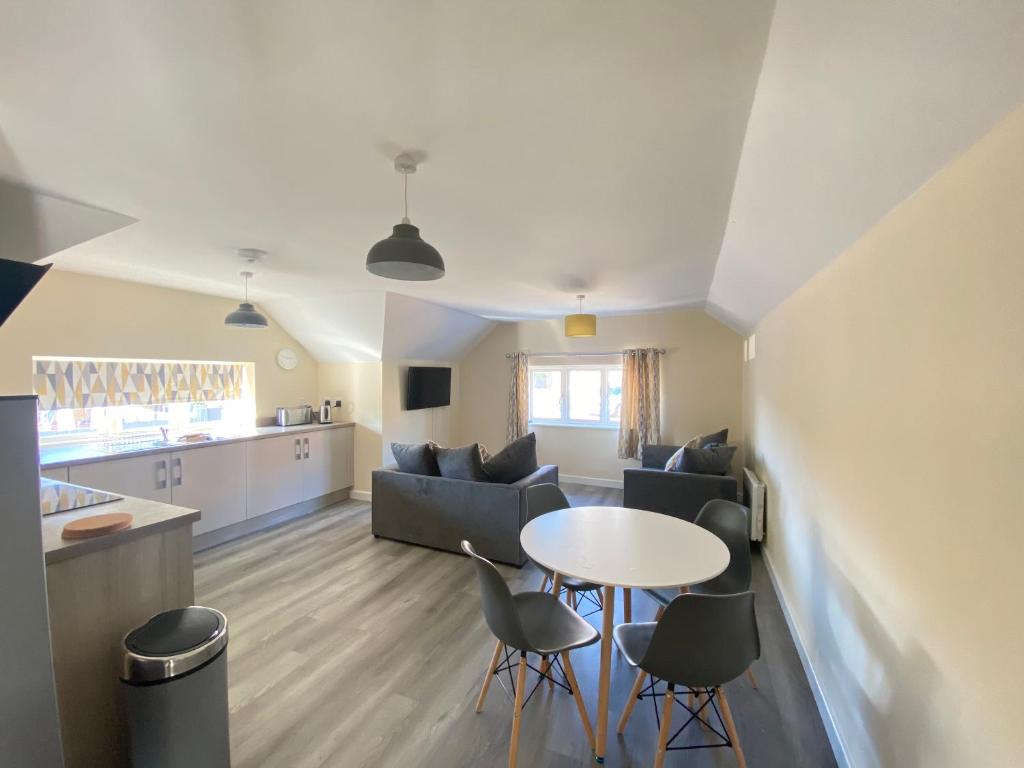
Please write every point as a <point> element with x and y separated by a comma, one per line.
<point>885,415</point>
<point>701,384</point>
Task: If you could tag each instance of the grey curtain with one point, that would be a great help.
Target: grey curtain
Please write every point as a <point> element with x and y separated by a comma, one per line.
<point>518,398</point>
<point>640,422</point>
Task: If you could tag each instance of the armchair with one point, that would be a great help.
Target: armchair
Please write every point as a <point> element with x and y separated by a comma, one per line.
<point>679,494</point>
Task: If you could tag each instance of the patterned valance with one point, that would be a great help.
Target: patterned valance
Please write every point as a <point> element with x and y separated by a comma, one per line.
<point>82,383</point>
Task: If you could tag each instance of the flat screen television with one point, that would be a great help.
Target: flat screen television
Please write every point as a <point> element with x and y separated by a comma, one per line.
<point>428,388</point>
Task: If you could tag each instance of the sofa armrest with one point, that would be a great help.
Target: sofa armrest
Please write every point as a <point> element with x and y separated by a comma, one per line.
<point>679,494</point>
<point>547,473</point>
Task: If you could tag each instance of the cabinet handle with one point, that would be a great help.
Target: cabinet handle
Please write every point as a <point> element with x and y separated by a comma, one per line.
<point>176,476</point>
<point>161,475</point>
<point>305,448</point>
<point>298,449</point>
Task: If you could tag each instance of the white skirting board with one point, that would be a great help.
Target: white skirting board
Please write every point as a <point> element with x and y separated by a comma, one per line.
<point>360,495</point>
<point>599,482</point>
<point>838,748</point>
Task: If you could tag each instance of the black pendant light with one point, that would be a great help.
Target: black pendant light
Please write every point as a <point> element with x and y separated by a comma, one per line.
<point>404,255</point>
<point>246,315</point>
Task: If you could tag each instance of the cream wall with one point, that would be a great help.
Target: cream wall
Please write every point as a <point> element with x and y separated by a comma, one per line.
<point>78,315</point>
<point>885,414</point>
<point>402,426</point>
<point>701,384</point>
<point>358,386</point>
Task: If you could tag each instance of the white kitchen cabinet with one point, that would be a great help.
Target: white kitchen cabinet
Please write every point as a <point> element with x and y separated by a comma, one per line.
<point>212,480</point>
<point>274,474</point>
<point>327,461</point>
<point>146,477</point>
<point>56,473</point>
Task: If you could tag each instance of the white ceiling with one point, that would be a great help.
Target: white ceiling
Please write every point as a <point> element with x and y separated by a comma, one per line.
<point>569,146</point>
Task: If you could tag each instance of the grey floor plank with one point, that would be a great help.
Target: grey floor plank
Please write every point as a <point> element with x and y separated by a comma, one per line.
<point>352,651</point>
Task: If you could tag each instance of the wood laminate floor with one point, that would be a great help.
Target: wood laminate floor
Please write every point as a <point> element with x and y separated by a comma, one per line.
<point>351,651</point>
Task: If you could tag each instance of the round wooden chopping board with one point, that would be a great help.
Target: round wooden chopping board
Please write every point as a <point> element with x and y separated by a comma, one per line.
<point>96,525</point>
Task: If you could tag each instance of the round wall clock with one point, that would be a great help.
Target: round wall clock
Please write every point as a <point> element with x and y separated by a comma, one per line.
<point>287,359</point>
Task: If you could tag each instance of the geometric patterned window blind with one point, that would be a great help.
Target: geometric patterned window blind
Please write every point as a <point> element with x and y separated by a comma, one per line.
<point>82,383</point>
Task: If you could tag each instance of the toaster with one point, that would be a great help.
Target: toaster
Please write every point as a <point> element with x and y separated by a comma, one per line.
<point>298,414</point>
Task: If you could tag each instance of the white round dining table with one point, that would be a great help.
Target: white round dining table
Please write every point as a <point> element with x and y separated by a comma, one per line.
<point>621,547</point>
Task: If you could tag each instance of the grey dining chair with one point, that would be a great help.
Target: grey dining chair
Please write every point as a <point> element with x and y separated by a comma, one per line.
<point>700,643</point>
<point>730,522</point>
<point>529,622</point>
<point>544,498</point>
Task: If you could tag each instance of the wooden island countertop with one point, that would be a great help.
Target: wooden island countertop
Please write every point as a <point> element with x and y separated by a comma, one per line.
<point>149,517</point>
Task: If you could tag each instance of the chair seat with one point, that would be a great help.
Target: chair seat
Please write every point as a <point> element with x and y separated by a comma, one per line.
<point>633,640</point>
<point>550,625</point>
<point>576,585</point>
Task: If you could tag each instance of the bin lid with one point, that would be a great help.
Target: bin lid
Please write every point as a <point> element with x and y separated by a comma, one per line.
<point>173,643</point>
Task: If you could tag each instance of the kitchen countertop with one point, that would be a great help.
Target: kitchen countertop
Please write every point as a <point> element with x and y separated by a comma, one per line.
<point>51,456</point>
<point>149,517</point>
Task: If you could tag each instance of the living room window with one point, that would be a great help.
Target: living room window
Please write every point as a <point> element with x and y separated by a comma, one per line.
<point>576,395</point>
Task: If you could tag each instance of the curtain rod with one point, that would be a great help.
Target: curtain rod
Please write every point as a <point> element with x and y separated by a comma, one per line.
<point>508,355</point>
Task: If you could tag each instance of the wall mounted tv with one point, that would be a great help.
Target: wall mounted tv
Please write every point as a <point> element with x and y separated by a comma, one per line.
<point>428,388</point>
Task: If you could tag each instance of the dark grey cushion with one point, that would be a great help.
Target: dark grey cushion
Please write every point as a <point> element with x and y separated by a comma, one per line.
<point>714,460</point>
<point>461,463</point>
<point>415,458</point>
<point>717,438</point>
<point>513,462</point>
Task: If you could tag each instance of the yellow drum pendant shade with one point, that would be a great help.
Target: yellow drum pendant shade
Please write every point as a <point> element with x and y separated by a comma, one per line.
<point>580,325</point>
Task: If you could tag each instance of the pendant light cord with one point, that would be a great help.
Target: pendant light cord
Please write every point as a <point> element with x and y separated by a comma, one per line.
<point>405,219</point>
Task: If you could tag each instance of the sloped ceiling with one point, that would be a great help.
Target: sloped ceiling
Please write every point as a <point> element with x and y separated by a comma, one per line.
<point>650,154</point>
<point>858,105</point>
<point>35,225</point>
<point>419,330</point>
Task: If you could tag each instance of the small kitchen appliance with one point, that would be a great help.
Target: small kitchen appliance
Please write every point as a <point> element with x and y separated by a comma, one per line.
<point>325,412</point>
<point>298,414</point>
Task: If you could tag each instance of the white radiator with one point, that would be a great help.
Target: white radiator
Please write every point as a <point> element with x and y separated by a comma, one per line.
<point>753,494</point>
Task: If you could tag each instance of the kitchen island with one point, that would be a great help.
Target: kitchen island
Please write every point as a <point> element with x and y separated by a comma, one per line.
<point>98,589</point>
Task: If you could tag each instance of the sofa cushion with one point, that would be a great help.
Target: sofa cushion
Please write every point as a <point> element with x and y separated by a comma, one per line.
<point>416,458</point>
<point>513,462</point>
<point>462,463</point>
<point>714,460</point>
<point>675,461</point>
<point>721,437</point>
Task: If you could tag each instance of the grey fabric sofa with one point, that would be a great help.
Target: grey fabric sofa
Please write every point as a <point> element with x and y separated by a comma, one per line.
<point>680,494</point>
<point>440,512</point>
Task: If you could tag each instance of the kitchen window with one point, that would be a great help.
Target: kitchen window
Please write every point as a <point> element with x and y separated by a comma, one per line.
<point>91,399</point>
<point>576,395</point>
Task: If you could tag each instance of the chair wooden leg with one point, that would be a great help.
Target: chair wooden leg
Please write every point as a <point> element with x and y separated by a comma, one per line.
<point>660,613</point>
<point>545,665</point>
<point>574,602</point>
<point>513,747</point>
<point>750,676</point>
<point>627,605</point>
<point>730,728</point>
<point>544,583</point>
<point>666,727</point>
<point>570,675</point>
<point>487,678</point>
<point>556,587</point>
<point>634,692</point>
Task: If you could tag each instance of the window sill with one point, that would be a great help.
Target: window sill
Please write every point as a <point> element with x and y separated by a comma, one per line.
<point>566,425</point>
